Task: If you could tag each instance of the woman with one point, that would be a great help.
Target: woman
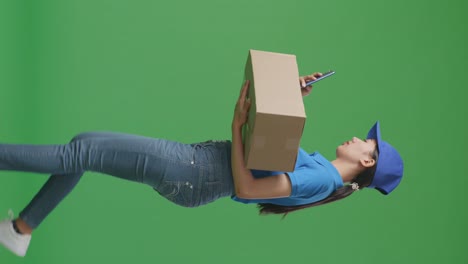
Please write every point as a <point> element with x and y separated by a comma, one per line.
<point>195,174</point>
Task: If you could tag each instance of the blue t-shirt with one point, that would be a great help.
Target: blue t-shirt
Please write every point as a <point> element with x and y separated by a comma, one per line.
<point>313,179</point>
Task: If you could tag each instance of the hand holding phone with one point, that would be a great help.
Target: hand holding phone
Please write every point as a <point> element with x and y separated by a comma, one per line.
<point>307,81</point>
<point>325,75</point>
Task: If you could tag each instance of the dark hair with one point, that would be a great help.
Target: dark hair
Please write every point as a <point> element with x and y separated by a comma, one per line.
<point>364,179</point>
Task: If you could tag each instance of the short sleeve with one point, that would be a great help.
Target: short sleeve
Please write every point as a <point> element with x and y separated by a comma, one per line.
<point>313,179</point>
<point>309,182</point>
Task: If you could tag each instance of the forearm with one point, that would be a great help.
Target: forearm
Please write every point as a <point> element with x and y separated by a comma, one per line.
<point>243,178</point>
<point>246,186</point>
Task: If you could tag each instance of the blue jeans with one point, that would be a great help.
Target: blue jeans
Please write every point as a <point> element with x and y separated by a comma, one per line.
<point>189,175</point>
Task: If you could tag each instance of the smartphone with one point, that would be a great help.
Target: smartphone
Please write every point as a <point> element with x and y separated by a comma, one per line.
<point>325,75</point>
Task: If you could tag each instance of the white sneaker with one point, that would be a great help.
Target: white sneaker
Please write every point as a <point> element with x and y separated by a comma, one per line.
<point>17,243</point>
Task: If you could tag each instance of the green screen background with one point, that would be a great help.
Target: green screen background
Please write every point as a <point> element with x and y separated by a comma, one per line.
<point>173,69</point>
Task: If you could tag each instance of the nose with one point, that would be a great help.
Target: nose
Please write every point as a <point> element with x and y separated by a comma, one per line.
<point>355,139</point>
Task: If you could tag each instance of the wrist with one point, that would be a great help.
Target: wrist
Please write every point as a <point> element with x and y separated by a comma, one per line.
<point>236,127</point>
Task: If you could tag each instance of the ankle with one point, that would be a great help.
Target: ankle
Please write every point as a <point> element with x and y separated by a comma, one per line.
<point>22,227</point>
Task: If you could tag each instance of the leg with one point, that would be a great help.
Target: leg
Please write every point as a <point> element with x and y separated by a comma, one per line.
<point>187,174</point>
<point>121,155</point>
<point>134,158</point>
<point>52,192</point>
<point>44,202</point>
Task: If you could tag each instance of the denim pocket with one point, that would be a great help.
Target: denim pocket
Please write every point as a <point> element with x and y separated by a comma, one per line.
<point>178,192</point>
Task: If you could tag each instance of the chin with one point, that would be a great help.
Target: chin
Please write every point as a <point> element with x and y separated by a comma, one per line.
<point>338,150</point>
<point>341,151</point>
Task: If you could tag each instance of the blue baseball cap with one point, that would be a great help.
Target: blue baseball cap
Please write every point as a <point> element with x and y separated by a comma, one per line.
<point>389,168</point>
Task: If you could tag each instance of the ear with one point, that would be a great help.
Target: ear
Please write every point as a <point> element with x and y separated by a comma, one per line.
<point>367,163</point>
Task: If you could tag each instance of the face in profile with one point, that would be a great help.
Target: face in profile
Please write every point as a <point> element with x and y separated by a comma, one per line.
<point>357,150</point>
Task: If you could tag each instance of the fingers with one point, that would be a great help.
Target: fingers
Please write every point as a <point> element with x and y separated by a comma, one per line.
<point>308,78</point>
<point>302,82</point>
<point>313,76</point>
<point>245,109</point>
<point>241,111</point>
<point>242,102</point>
<point>245,89</point>
<point>306,91</point>
<point>317,74</point>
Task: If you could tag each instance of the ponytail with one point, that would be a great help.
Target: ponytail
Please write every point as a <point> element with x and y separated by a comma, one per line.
<point>266,208</point>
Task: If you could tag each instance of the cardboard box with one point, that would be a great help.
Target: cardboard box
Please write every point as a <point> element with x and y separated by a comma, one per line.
<point>277,116</point>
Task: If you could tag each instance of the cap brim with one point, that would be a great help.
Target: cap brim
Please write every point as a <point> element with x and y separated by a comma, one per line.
<point>374,133</point>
